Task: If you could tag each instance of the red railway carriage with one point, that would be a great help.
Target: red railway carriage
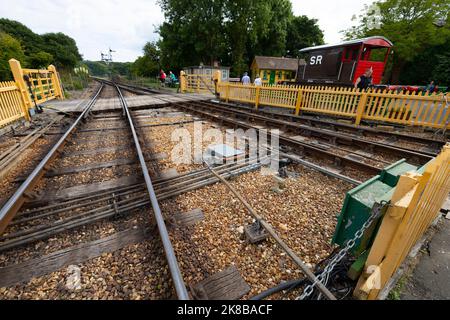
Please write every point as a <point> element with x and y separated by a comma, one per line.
<point>343,63</point>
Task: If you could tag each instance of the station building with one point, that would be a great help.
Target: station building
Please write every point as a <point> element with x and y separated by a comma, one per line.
<point>275,69</point>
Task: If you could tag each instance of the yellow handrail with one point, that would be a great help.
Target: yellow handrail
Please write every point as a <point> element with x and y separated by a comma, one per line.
<point>419,109</point>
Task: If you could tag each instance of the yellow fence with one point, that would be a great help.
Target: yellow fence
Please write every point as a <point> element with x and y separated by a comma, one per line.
<point>415,204</point>
<point>12,105</point>
<point>199,83</point>
<point>30,87</point>
<point>410,108</point>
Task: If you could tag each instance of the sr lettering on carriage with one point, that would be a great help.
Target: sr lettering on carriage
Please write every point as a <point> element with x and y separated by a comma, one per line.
<point>315,60</point>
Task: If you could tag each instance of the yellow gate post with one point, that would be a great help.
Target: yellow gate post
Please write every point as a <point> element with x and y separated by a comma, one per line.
<point>361,107</point>
<point>299,101</point>
<point>56,83</point>
<point>258,88</point>
<point>183,81</point>
<point>217,77</point>
<point>17,72</point>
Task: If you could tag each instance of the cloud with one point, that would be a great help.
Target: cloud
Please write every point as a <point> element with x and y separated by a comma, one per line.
<point>96,25</point>
<point>333,16</point>
<point>126,25</point>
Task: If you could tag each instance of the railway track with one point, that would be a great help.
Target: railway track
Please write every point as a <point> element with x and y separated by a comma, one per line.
<point>60,200</point>
<point>359,148</point>
<point>55,171</point>
<point>285,122</point>
<point>344,148</point>
<point>425,145</point>
<point>359,153</point>
<point>87,199</point>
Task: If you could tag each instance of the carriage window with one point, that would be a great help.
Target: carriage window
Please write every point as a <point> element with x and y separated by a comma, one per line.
<point>347,54</point>
<point>351,53</point>
<point>378,54</point>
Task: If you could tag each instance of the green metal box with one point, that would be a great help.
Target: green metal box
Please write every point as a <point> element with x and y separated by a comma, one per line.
<point>359,202</point>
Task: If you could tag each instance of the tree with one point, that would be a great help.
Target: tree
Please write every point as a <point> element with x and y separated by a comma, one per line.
<point>271,23</point>
<point>192,32</point>
<point>40,59</point>
<point>97,68</point>
<point>149,64</point>
<point>231,32</point>
<point>9,48</point>
<point>63,49</point>
<point>409,24</point>
<point>256,28</point>
<point>302,33</point>
<point>30,41</point>
<point>432,64</point>
<point>40,51</point>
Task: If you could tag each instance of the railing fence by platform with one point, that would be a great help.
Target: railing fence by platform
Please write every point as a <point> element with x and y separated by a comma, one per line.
<point>405,108</point>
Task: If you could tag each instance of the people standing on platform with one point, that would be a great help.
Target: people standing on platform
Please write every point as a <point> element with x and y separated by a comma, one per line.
<point>162,77</point>
<point>246,79</point>
<point>431,87</point>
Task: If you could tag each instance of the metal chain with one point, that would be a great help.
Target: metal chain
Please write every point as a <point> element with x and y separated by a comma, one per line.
<point>376,211</point>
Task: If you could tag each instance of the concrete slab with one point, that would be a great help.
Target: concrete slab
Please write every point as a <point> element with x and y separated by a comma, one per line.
<point>430,279</point>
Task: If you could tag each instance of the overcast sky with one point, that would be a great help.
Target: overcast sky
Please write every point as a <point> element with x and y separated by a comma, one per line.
<point>125,25</point>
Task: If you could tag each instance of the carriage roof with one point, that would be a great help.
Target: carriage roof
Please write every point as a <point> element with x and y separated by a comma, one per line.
<point>376,41</point>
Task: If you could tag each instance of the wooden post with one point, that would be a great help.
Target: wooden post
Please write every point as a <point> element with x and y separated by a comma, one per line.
<point>227,93</point>
<point>299,101</point>
<point>183,81</point>
<point>361,107</point>
<point>17,72</point>
<point>217,77</point>
<point>400,201</point>
<point>56,82</point>
<point>258,88</point>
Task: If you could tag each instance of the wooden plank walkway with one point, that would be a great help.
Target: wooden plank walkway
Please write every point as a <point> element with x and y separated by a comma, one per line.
<point>111,104</point>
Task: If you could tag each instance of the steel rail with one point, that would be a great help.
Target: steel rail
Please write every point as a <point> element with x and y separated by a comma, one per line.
<point>344,138</point>
<point>284,140</point>
<point>12,206</point>
<point>137,198</point>
<point>177,278</point>
<point>310,120</point>
<point>276,237</point>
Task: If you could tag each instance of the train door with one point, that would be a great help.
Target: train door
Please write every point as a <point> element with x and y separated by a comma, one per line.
<point>348,66</point>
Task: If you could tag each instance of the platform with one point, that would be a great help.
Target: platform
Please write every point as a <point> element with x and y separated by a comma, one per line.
<point>106,104</point>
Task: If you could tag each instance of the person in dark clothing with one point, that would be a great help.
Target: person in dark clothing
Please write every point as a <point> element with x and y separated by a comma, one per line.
<point>364,81</point>
<point>431,87</point>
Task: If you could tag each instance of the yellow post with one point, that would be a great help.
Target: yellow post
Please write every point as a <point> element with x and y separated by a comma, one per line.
<point>361,107</point>
<point>59,93</point>
<point>17,72</point>
<point>257,97</point>
<point>217,77</point>
<point>227,92</point>
<point>299,101</point>
<point>183,81</point>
